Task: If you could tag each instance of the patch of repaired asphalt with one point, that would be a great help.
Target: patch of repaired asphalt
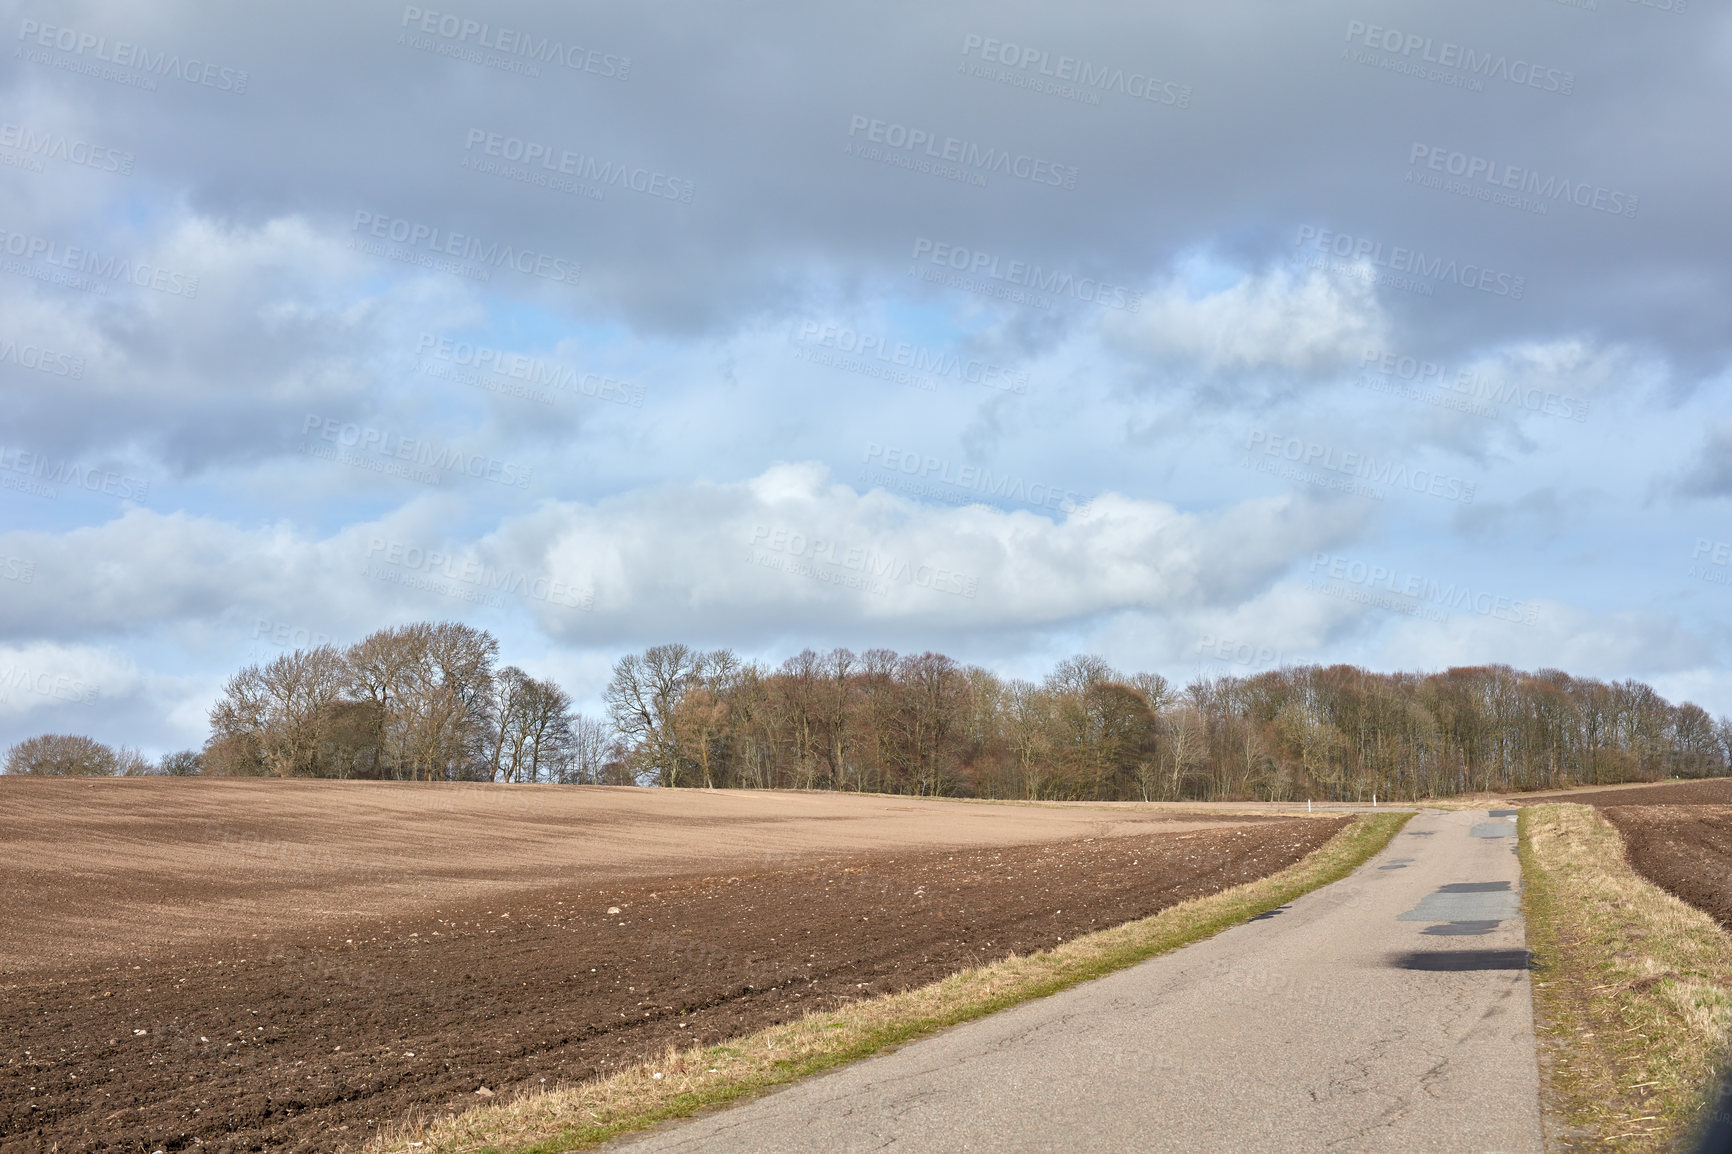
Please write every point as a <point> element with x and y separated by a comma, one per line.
<point>1458,961</point>
<point>1461,929</point>
<point>1466,902</point>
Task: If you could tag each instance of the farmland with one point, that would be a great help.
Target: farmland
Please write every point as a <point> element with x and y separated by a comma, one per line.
<point>1676,834</point>
<point>292,964</point>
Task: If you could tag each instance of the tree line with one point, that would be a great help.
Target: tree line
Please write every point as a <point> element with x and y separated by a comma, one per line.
<point>427,702</point>
<point>421,702</point>
<point>924,724</point>
<point>75,755</point>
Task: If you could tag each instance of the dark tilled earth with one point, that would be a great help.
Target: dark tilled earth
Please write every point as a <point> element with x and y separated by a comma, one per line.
<point>300,1043</point>
<point>1684,849</point>
<point>1677,834</point>
<point>1708,791</point>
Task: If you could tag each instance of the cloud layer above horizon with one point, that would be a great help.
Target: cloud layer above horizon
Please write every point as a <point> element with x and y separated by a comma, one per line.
<point>1205,340</point>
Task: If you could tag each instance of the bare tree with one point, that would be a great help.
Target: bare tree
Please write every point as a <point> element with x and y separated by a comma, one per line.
<point>1185,730</point>
<point>1076,741</point>
<point>801,681</point>
<point>1031,725</point>
<point>588,752</point>
<point>547,726</point>
<point>61,755</point>
<point>930,713</point>
<point>379,672</point>
<point>641,699</point>
<point>700,725</point>
<point>443,714</point>
<point>282,711</point>
<point>507,700</point>
<point>185,763</point>
<point>429,685</point>
<point>129,762</point>
<point>1157,691</point>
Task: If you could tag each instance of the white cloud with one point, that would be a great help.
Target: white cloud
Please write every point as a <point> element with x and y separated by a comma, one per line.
<point>1310,325</point>
<point>792,548</point>
<point>787,546</point>
<point>255,193</point>
<point>65,681</point>
<point>1612,645</point>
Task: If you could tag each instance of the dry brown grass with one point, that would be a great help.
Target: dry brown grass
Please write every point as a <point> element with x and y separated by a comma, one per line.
<point>682,1083</point>
<point>1632,994</point>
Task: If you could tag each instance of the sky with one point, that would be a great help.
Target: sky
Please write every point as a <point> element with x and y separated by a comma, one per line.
<point>1209,339</point>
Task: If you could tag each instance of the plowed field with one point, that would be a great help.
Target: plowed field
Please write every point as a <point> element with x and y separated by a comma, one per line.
<point>1677,834</point>
<point>1685,849</point>
<point>1708,791</point>
<point>251,965</point>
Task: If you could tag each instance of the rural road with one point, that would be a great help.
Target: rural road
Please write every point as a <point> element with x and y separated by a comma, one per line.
<point>1388,1012</point>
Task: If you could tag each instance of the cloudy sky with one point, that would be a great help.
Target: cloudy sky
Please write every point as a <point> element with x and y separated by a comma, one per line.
<point>1207,341</point>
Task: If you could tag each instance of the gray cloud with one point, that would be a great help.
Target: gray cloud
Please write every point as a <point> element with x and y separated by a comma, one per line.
<point>560,293</point>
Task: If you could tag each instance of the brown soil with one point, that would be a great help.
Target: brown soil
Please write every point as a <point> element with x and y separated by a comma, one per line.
<point>1684,849</point>
<point>1677,834</point>
<point>328,1003</point>
<point>1708,791</point>
<point>102,868</point>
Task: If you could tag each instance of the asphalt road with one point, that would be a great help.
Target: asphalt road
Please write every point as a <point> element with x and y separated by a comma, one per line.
<point>1388,1012</point>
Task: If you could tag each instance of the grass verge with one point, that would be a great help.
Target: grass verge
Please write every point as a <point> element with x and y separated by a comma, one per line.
<point>685,1082</point>
<point>1632,990</point>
